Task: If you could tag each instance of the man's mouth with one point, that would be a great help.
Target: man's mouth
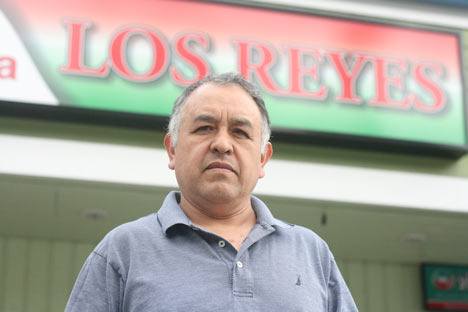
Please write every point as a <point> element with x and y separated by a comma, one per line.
<point>220,165</point>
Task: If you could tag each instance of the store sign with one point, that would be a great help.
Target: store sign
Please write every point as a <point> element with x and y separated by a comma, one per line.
<point>318,74</point>
<point>445,287</point>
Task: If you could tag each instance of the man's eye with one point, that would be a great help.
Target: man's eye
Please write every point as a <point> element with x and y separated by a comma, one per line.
<point>241,133</point>
<point>204,129</point>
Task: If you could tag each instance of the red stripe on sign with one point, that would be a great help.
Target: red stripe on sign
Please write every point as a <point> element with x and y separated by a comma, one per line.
<point>460,306</point>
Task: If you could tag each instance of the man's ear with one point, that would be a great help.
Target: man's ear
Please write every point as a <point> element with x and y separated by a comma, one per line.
<point>170,151</point>
<point>265,157</point>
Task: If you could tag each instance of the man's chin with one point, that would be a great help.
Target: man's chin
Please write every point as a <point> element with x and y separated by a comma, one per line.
<point>220,193</point>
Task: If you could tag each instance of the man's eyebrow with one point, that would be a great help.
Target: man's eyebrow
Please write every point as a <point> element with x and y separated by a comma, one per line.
<point>205,118</point>
<point>237,121</point>
<point>240,121</point>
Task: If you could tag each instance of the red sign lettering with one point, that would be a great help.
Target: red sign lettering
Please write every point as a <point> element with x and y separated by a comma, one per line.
<point>390,74</point>
<point>259,69</point>
<point>298,72</point>
<point>184,51</point>
<point>421,75</point>
<point>398,84</point>
<point>76,48</point>
<point>119,54</point>
<point>7,67</point>
<point>348,77</point>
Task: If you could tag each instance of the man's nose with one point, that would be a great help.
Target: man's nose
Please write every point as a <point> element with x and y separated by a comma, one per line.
<point>221,143</point>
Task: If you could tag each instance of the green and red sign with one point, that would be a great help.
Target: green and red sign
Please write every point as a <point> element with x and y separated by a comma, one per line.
<point>445,287</point>
<point>319,74</point>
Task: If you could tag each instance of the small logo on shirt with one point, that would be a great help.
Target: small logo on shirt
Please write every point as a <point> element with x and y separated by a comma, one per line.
<point>298,282</point>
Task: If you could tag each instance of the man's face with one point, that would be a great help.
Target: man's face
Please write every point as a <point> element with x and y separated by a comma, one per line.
<point>218,156</point>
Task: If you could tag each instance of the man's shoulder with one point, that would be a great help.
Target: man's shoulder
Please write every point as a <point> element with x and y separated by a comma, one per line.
<point>286,231</point>
<point>298,230</point>
<point>127,235</point>
<point>301,235</point>
<point>143,225</point>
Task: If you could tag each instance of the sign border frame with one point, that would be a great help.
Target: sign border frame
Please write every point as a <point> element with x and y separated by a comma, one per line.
<point>68,113</point>
<point>424,283</point>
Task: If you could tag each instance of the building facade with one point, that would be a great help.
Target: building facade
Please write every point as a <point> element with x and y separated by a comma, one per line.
<point>81,145</point>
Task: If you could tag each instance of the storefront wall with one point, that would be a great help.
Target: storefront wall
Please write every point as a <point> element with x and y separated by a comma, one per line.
<point>46,235</point>
<point>48,226</point>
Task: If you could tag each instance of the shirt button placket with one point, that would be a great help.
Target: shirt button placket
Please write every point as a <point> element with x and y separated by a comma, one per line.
<point>242,278</point>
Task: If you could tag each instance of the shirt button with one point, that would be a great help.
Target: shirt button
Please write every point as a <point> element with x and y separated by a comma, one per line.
<point>239,264</point>
<point>221,243</point>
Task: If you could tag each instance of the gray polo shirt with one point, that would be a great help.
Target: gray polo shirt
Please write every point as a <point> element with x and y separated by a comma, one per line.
<point>162,262</point>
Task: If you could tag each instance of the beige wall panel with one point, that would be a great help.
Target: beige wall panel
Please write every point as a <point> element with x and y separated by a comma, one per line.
<point>394,280</point>
<point>376,301</point>
<point>2,270</point>
<point>62,270</point>
<point>15,275</point>
<point>38,279</point>
<point>357,284</point>
<point>411,284</point>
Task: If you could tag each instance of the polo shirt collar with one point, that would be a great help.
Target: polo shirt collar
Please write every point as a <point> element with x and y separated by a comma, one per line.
<point>264,216</point>
<point>171,214</point>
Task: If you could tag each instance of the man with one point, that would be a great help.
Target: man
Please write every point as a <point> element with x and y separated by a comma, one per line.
<point>213,246</point>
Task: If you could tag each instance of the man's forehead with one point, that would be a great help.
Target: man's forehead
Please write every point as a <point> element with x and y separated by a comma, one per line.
<point>215,86</point>
<point>214,99</point>
<point>220,91</point>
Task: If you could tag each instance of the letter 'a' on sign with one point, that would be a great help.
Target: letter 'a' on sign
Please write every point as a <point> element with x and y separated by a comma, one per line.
<point>7,68</point>
<point>403,88</point>
<point>20,79</point>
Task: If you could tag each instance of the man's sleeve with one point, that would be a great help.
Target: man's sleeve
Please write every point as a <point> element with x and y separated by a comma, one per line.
<point>98,287</point>
<point>339,296</point>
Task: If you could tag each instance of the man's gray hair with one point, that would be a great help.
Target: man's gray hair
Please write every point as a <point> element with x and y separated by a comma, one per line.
<point>221,80</point>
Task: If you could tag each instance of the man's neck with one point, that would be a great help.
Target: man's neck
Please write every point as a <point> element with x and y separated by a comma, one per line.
<point>232,223</point>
